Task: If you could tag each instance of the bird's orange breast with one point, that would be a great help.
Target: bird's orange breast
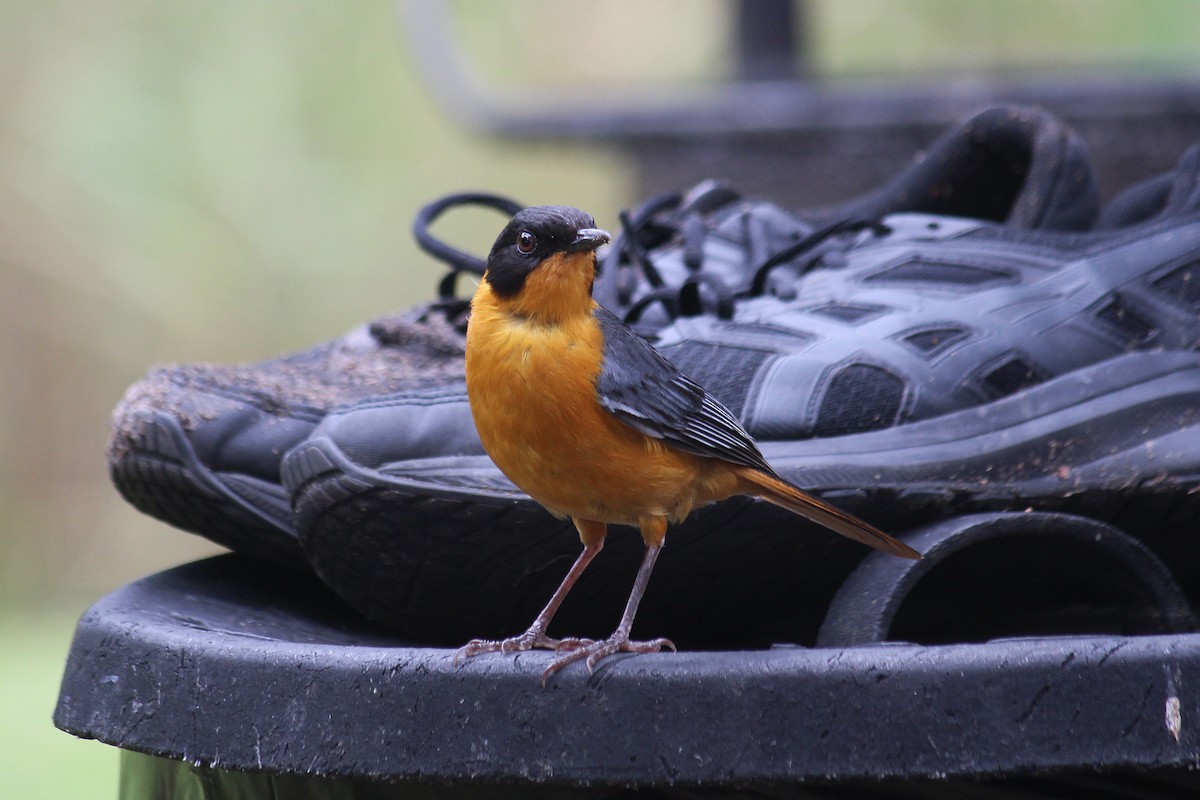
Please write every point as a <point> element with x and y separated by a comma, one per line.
<point>532,387</point>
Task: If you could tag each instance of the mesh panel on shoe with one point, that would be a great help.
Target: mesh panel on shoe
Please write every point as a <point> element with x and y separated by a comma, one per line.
<point>1182,283</point>
<point>848,312</point>
<point>860,397</point>
<point>943,274</point>
<point>1011,376</point>
<point>795,335</point>
<point>932,341</point>
<point>1135,329</point>
<point>726,372</point>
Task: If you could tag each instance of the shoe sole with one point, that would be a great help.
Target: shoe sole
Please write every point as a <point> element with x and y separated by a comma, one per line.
<point>418,545</point>
<point>159,474</point>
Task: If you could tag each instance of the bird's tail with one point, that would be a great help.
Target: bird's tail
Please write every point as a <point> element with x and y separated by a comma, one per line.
<point>775,490</point>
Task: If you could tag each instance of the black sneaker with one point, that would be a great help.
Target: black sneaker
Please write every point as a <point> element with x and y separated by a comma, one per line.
<point>199,446</point>
<point>399,509</point>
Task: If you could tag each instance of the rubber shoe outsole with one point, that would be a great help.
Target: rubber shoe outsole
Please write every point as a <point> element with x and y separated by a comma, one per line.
<point>160,475</point>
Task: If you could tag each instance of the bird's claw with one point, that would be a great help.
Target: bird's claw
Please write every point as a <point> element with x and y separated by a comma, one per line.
<point>529,640</point>
<point>591,652</point>
<point>571,645</point>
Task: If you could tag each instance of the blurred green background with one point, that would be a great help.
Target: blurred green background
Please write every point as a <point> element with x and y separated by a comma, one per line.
<point>228,181</point>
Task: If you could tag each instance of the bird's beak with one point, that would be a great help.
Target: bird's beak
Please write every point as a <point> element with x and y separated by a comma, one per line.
<point>588,239</point>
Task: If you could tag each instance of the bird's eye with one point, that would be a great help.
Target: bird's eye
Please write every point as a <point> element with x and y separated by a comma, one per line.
<point>526,242</point>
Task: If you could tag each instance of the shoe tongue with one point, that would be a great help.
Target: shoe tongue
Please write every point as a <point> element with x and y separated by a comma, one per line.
<point>1184,193</point>
<point>1168,194</point>
<point>1017,166</point>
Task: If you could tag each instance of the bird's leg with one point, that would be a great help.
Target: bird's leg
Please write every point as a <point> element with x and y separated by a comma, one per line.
<point>619,642</point>
<point>535,636</point>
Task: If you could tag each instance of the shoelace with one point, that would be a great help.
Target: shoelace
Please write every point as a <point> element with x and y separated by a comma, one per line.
<point>688,220</point>
<point>656,222</point>
<point>448,303</point>
<point>629,262</point>
<point>652,224</point>
<point>808,251</point>
<point>703,292</point>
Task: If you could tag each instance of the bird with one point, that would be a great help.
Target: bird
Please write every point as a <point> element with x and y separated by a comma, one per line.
<point>592,422</point>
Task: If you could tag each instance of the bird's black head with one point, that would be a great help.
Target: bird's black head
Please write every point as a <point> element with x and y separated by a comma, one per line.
<point>532,236</point>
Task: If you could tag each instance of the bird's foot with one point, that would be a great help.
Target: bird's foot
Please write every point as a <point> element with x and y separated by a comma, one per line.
<point>529,640</point>
<point>591,652</point>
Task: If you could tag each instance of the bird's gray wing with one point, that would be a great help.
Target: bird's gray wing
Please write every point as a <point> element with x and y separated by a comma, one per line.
<point>640,387</point>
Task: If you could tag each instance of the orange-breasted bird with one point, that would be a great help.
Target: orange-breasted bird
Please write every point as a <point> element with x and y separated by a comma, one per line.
<point>593,423</point>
